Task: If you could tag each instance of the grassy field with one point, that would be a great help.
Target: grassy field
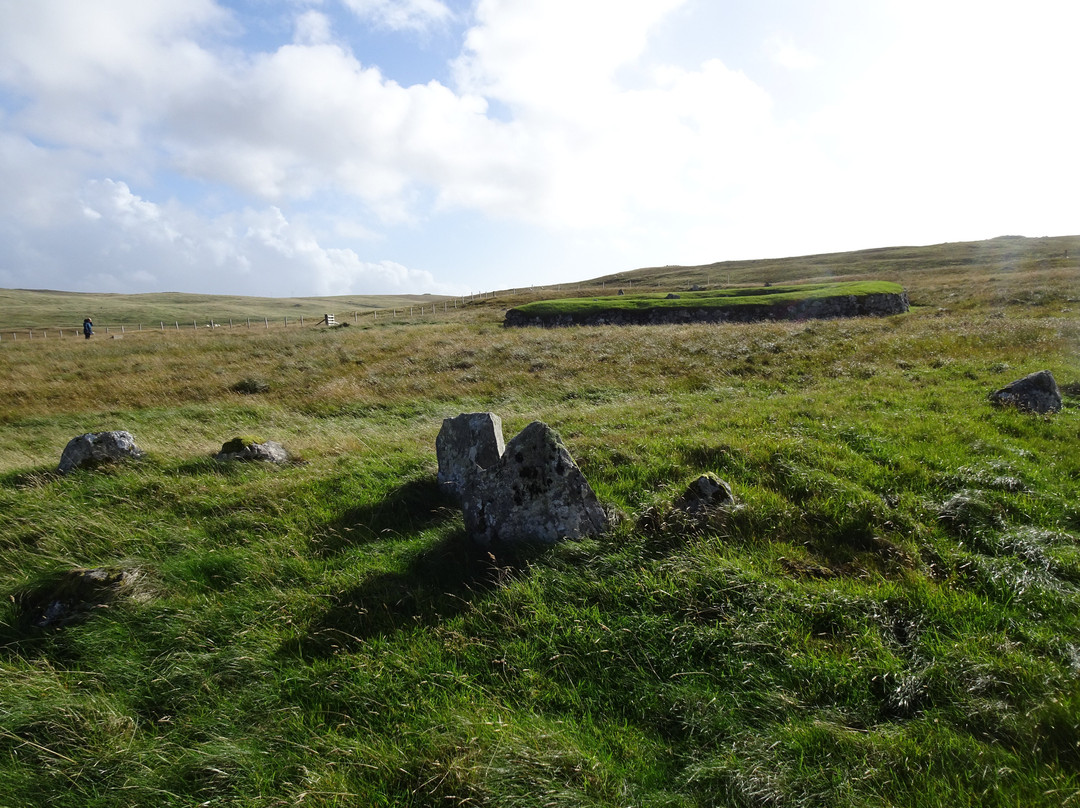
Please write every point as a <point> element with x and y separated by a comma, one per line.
<point>21,308</point>
<point>890,616</point>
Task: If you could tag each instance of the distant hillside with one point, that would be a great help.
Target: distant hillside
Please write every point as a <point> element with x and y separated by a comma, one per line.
<point>1009,269</point>
<point>954,272</point>
<point>20,308</point>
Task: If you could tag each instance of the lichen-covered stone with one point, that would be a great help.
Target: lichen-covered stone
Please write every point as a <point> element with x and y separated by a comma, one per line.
<point>706,493</point>
<point>467,443</point>
<point>534,494</point>
<point>95,449</point>
<point>251,449</point>
<point>1036,392</point>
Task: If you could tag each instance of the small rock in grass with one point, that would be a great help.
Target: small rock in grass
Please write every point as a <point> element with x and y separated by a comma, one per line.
<point>704,494</point>
<point>252,449</point>
<point>73,595</point>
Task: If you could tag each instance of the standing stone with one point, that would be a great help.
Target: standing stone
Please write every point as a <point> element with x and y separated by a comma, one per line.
<point>1037,392</point>
<point>534,494</point>
<point>98,448</point>
<point>467,443</point>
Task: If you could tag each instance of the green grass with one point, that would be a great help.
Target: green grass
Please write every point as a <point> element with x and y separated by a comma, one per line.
<point>888,617</point>
<point>714,299</point>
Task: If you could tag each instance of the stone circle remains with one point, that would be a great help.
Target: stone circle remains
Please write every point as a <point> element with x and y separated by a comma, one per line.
<point>531,493</point>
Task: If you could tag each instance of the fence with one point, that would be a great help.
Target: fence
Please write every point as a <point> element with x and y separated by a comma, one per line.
<point>387,315</point>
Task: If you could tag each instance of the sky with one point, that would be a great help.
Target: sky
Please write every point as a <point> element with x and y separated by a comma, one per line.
<point>332,147</point>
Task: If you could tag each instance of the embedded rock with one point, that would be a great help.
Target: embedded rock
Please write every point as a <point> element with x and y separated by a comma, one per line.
<point>534,494</point>
<point>73,595</point>
<point>466,444</point>
<point>704,494</point>
<point>96,449</point>
<point>1037,392</point>
<point>253,449</point>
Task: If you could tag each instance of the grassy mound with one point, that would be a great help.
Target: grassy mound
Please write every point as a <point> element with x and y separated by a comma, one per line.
<point>792,301</point>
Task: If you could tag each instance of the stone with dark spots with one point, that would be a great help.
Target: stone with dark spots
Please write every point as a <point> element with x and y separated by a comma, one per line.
<point>534,494</point>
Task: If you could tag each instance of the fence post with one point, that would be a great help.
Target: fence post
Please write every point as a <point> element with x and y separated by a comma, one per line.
<point>266,322</point>
<point>177,324</point>
<point>122,331</point>
<point>194,325</point>
<point>286,321</point>
<point>301,321</point>
<point>162,322</point>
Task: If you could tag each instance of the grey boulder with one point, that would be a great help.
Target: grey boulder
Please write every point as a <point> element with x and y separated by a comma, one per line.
<point>95,449</point>
<point>1037,392</point>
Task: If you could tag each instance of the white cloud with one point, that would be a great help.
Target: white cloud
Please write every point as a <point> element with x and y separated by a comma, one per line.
<point>554,57</point>
<point>558,116</point>
<point>783,50</point>
<point>414,15</point>
<point>118,241</point>
<point>312,28</point>
<point>94,74</point>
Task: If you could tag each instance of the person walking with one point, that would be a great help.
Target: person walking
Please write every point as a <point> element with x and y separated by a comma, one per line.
<point>87,327</point>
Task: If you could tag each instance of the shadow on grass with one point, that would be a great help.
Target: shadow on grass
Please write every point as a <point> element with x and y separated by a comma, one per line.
<point>416,506</point>
<point>44,475</point>
<point>35,478</point>
<point>33,615</point>
<point>209,465</point>
<point>437,584</point>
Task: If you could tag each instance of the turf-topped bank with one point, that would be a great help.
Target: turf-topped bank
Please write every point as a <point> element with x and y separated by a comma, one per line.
<point>742,305</point>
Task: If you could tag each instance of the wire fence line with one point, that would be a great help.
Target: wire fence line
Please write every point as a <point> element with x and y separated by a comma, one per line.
<point>388,315</point>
